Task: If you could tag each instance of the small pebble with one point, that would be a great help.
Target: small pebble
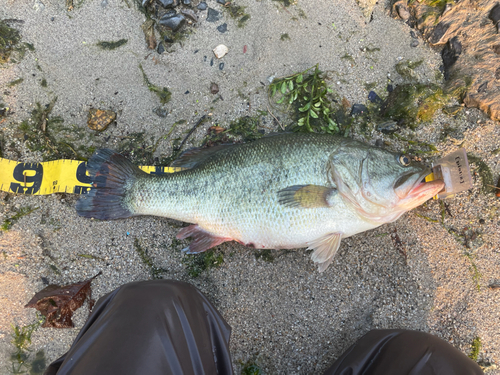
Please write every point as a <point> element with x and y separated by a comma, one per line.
<point>358,109</point>
<point>374,98</point>
<point>167,3</point>
<point>173,23</point>
<point>187,92</point>
<point>160,48</point>
<point>202,6</point>
<point>212,62</point>
<point>390,88</point>
<point>379,143</point>
<point>414,43</point>
<point>221,66</point>
<point>213,15</point>
<point>223,2</point>
<point>387,127</point>
<point>186,2</point>
<point>214,88</point>
<point>222,28</point>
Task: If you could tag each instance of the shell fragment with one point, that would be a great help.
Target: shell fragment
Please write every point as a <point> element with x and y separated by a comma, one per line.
<point>220,51</point>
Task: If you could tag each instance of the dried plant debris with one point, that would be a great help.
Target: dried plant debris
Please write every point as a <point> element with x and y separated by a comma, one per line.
<point>308,93</point>
<point>22,361</point>
<point>112,45</point>
<point>148,261</point>
<point>237,12</point>
<point>99,119</point>
<point>58,303</point>
<point>47,134</point>
<point>467,32</point>
<point>171,19</point>
<point>163,93</point>
<point>10,221</point>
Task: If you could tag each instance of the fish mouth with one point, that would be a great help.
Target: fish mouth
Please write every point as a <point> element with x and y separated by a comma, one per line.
<point>423,190</point>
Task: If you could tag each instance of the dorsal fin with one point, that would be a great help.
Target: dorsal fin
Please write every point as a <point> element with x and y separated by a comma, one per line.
<point>195,156</point>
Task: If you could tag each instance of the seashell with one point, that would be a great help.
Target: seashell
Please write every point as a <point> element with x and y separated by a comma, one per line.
<point>220,51</point>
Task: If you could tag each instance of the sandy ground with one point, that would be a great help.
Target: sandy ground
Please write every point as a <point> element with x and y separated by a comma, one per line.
<point>285,316</point>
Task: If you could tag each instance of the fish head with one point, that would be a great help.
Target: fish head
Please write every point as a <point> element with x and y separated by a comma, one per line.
<point>380,185</point>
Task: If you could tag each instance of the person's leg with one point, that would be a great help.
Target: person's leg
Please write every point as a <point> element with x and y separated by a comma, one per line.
<point>398,351</point>
<point>150,327</point>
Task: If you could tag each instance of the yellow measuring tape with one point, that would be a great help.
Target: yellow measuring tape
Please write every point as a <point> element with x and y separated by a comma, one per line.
<point>58,176</point>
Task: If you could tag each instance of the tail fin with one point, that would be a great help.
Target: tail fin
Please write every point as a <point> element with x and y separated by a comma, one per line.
<point>112,174</point>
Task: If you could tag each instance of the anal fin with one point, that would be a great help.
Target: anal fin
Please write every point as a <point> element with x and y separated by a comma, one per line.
<point>202,240</point>
<point>325,249</point>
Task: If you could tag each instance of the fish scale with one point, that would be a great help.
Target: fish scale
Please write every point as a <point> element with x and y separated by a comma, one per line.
<point>283,191</point>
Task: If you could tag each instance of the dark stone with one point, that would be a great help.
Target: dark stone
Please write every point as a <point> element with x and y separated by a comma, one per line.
<point>52,18</point>
<point>145,2</point>
<point>169,13</point>
<point>358,109</point>
<point>390,88</point>
<point>173,23</point>
<point>187,92</point>
<point>167,39</point>
<point>450,54</point>
<point>214,88</point>
<point>414,43</point>
<point>438,32</point>
<point>379,143</point>
<point>186,2</point>
<point>481,221</point>
<point>387,127</point>
<point>190,14</point>
<point>374,98</point>
<point>496,48</point>
<point>221,66</point>
<point>161,48</point>
<point>202,6</point>
<point>483,87</point>
<point>166,3</point>
<point>412,34</point>
<point>222,28</point>
<point>212,62</point>
<point>495,14</point>
<point>497,73</point>
<point>221,2</point>
<point>213,15</point>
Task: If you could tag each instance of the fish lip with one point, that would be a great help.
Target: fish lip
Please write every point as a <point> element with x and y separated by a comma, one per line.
<point>422,187</point>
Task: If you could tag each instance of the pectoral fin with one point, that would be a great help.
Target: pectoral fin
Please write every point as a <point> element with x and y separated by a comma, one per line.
<point>325,249</point>
<point>202,240</point>
<point>306,196</point>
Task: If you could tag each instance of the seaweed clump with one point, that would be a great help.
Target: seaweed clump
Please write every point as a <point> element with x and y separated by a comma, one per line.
<point>412,103</point>
<point>196,264</point>
<point>9,40</point>
<point>46,134</point>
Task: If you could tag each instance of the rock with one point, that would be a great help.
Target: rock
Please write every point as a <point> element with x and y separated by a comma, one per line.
<point>220,51</point>
<point>390,88</point>
<point>169,13</point>
<point>414,43</point>
<point>186,2</point>
<point>374,98</point>
<point>483,87</point>
<point>450,54</point>
<point>213,15</point>
<point>214,88</point>
<point>190,14</point>
<point>495,14</point>
<point>161,48</point>
<point>221,66</point>
<point>173,23</point>
<point>379,143</point>
<point>358,109</point>
<point>223,2</point>
<point>167,3</point>
<point>222,28</point>
<point>202,6</point>
<point>387,127</point>
<point>99,119</point>
<point>438,33</point>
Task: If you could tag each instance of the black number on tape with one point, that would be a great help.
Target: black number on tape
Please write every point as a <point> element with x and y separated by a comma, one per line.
<point>81,175</point>
<point>23,178</point>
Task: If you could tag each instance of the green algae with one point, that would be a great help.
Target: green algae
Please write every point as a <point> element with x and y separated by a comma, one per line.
<point>111,45</point>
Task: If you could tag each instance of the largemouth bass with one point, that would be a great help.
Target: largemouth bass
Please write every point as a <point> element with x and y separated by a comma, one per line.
<point>280,192</point>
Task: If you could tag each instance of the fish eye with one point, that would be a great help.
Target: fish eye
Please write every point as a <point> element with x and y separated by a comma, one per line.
<point>404,160</point>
